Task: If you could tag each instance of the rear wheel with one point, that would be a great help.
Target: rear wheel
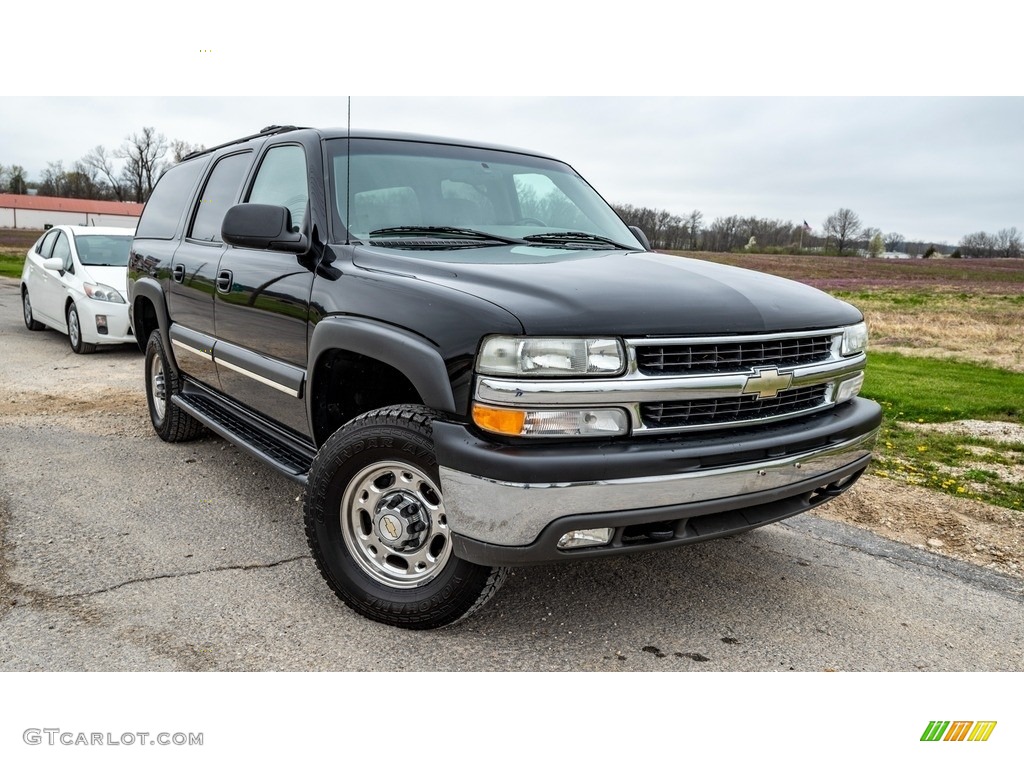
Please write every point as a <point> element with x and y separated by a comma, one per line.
<point>162,383</point>
<point>78,346</point>
<point>26,308</point>
<point>378,528</point>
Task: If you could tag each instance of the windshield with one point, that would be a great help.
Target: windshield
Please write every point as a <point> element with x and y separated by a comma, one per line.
<point>103,250</point>
<point>412,195</point>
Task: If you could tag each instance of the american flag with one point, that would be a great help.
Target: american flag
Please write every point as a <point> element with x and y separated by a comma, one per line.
<point>807,226</point>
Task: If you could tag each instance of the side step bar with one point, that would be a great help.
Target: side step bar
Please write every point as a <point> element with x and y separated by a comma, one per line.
<point>264,440</point>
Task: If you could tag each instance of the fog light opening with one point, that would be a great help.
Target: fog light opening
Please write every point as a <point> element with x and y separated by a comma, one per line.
<point>589,537</point>
<point>101,324</point>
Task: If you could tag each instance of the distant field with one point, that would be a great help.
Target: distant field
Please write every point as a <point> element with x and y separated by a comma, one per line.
<point>833,273</point>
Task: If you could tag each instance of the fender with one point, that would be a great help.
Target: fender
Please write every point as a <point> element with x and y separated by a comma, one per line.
<point>149,288</point>
<point>413,355</point>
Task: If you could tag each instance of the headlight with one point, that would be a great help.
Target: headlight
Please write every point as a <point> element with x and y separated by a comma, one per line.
<point>855,339</point>
<point>520,356</point>
<point>102,292</point>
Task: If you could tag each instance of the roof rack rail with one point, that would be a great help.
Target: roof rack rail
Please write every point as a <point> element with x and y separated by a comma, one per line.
<point>270,130</point>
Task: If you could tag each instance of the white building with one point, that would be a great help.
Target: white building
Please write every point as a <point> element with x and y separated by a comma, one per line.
<point>34,212</point>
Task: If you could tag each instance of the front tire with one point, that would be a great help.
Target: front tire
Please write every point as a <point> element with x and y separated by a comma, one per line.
<point>377,526</point>
<point>170,422</point>
<point>78,346</point>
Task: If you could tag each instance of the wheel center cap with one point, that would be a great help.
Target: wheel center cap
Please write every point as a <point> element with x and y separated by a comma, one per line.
<point>401,522</point>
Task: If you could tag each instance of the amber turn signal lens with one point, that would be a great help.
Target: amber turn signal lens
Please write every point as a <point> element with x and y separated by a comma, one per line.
<point>500,420</point>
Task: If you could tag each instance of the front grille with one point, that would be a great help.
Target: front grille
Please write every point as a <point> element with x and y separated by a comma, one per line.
<point>681,359</point>
<point>725,410</point>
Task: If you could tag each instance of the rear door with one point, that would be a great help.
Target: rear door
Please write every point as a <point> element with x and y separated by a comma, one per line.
<point>194,268</point>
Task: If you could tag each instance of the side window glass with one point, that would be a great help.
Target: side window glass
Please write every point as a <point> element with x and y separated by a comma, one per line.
<point>281,180</point>
<point>62,250</point>
<point>162,213</point>
<point>47,245</point>
<point>218,195</point>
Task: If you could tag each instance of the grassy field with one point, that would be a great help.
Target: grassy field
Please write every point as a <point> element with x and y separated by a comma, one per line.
<point>947,348</point>
<point>13,244</point>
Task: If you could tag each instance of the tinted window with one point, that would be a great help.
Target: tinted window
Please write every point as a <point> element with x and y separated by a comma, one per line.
<point>281,180</point>
<point>219,194</point>
<point>163,211</point>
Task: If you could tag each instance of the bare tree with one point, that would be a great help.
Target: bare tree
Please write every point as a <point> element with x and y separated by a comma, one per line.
<point>693,225</point>
<point>1008,243</point>
<point>843,226</point>
<point>103,164</point>
<point>142,153</point>
<point>182,149</point>
<point>893,241</point>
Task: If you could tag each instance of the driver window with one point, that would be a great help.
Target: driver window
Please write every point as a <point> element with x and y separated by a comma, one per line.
<point>62,250</point>
<point>281,180</point>
<point>46,245</point>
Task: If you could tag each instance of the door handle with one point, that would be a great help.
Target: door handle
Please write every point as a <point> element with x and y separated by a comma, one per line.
<point>178,273</point>
<point>224,281</point>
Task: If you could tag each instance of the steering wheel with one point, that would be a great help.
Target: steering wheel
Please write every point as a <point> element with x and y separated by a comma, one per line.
<point>529,220</point>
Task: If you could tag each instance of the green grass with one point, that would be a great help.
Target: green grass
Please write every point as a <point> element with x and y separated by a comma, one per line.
<point>924,389</point>
<point>915,391</point>
<point>11,262</point>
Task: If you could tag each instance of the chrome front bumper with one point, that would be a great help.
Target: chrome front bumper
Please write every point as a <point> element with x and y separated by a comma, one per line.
<point>513,514</point>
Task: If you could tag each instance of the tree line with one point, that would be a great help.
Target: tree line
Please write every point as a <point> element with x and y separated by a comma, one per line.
<point>126,173</point>
<point>842,234</point>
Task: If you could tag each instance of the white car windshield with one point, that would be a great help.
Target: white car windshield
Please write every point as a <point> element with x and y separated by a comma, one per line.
<point>103,250</point>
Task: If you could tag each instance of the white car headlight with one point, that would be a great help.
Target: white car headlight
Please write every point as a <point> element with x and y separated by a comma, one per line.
<point>102,292</point>
<point>523,356</point>
<point>855,339</point>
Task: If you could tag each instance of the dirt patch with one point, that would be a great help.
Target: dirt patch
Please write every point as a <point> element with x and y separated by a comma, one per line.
<point>1001,431</point>
<point>968,530</point>
<point>110,412</point>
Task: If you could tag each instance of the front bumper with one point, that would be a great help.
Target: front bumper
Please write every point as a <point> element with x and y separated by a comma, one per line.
<point>510,504</point>
<point>119,330</point>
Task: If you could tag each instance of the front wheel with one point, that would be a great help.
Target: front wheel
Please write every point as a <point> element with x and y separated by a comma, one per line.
<point>378,528</point>
<point>78,346</point>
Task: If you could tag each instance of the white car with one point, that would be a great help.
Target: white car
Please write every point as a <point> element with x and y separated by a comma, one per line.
<point>75,281</point>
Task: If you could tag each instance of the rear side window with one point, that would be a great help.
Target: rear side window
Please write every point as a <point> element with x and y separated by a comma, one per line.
<point>163,211</point>
<point>47,243</point>
<point>219,194</point>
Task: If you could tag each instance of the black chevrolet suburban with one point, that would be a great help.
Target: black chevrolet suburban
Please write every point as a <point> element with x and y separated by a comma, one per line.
<point>471,363</point>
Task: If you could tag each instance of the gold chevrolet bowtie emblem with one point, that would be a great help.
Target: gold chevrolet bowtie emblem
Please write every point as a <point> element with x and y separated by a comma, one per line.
<point>391,528</point>
<point>767,382</point>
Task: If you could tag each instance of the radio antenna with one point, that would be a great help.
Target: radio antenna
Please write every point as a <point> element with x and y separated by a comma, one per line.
<point>348,172</point>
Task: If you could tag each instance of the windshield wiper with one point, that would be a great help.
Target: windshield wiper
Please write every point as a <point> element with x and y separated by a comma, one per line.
<point>458,231</point>
<point>575,237</point>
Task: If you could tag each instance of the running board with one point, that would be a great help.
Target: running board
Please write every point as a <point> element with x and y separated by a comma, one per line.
<point>265,441</point>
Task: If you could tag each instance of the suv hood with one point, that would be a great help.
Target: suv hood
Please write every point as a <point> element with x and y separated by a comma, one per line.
<point>622,293</point>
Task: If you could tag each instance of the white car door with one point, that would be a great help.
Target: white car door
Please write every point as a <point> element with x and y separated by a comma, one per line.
<point>38,281</point>
<point>53,286</point>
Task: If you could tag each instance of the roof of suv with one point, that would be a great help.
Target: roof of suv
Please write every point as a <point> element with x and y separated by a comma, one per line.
<point>358,133</point>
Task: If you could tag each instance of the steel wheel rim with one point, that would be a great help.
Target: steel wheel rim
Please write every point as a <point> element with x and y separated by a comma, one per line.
<point>158,384</point>
<point>27,308</point>
<point>73,330</point>
<point>363,507</point>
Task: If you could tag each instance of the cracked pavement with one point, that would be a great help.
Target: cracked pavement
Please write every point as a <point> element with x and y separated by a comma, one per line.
<point>121,552</point>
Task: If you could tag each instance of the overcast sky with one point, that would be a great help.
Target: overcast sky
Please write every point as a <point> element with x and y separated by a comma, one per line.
<point>931,168</point>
